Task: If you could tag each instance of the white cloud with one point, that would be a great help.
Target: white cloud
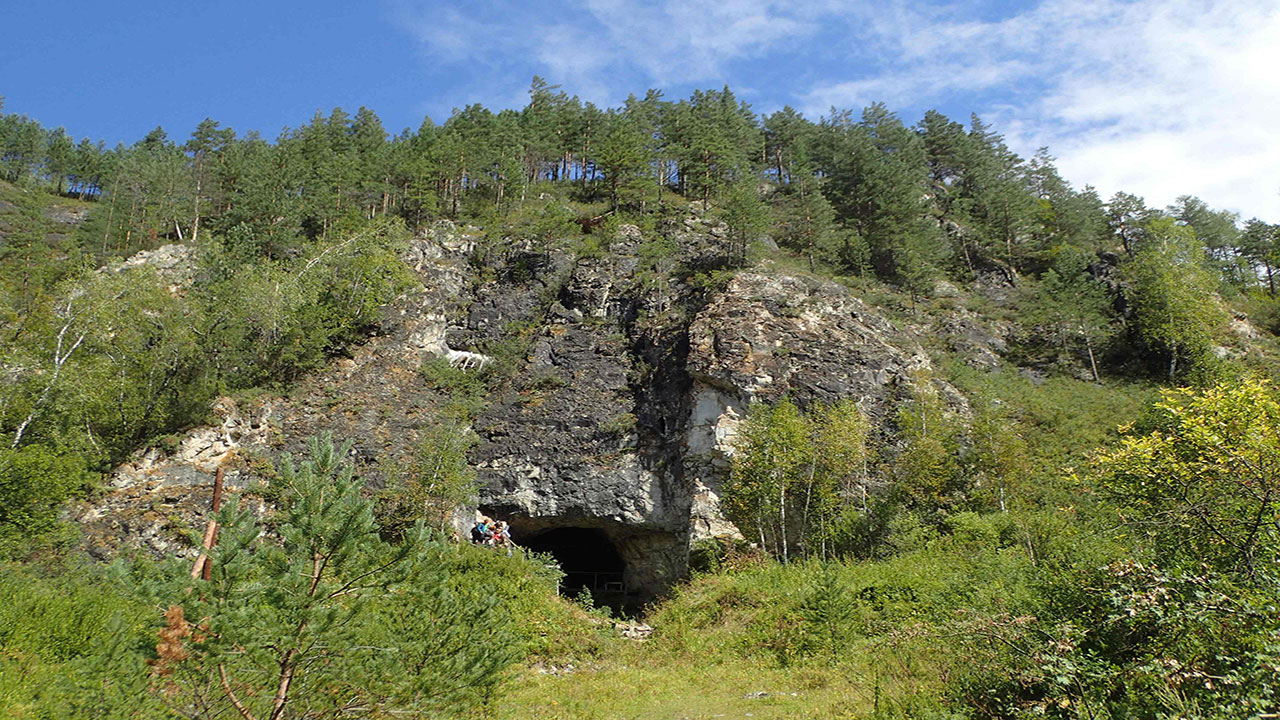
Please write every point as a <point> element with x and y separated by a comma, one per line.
<point>588,43</point>
<point>1184,101</point>
<point>1154,97</point>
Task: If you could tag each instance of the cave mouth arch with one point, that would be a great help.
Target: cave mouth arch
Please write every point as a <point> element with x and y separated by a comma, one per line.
<point>588,559</point>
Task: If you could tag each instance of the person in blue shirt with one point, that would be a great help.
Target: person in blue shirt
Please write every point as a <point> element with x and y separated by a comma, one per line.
<point>482,533</point>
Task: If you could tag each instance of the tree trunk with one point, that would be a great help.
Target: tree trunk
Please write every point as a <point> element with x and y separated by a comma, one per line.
<point>804,519</point>
<point>195,214</point>
<point>1093,364</point>
<point>128,233</point>
<point>782,518</point>
<point>59,359</point>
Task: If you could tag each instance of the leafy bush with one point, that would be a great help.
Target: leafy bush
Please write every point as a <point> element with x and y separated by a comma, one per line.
<point>793,474</point>
<point>34,480</point>
<point>273,321</point>
<point>619,425</point>
<point>74,642</point>
<point>434,483</point>
<point>1204,483</point>
<point>113,361</point>
<point>1124,640</point>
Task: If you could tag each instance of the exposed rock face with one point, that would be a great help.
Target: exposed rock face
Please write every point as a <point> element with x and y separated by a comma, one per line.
<point>66,215</point>
<point>769,336</point>
<point>773,335</point>
<point>158,499</point>
<point>174,263</point>
<point>579,442</point>
<point>605,435</point>
<point>979,343</point>
<point>618,420</point>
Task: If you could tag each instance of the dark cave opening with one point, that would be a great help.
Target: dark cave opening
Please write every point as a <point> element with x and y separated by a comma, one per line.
<point>588,560</point>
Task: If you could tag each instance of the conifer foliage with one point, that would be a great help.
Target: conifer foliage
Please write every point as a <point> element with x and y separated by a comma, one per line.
<point>318,612</point>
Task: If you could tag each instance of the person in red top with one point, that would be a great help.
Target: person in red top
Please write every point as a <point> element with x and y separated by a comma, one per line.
<point>502,536</point>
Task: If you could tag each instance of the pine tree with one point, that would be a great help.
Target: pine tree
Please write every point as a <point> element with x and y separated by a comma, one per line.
<point>621,157</point>
<point>746,216</point>
<point>59,158</point>
<point>878,187</point>
<point>806,223</point>
<point>1002,209</point>
<point>1260,244</point>
<point>1072,308</point>
<point>328,617</point>
<point>1127,216</point>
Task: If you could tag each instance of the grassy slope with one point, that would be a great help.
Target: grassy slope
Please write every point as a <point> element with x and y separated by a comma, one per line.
<point>724,637</point>
<point>634,685</point>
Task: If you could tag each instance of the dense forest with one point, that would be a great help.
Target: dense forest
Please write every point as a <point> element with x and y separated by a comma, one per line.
<point>1028,560</point>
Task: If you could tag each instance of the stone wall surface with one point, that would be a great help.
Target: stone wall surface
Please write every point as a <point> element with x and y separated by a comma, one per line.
<point>626,385</point>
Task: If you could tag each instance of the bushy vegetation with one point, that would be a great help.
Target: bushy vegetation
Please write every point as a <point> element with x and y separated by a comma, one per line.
<point>990,562</point>
<point>310,614</point>
<point>105,361</point>
<point>796,476</point>
<point>1155,599</point>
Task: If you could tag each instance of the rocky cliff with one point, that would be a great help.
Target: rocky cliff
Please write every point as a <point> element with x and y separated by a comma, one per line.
<point>625,381</point>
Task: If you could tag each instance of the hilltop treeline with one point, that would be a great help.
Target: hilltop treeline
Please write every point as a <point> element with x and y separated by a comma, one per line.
<point>864,194</point>
<point>865,191</point>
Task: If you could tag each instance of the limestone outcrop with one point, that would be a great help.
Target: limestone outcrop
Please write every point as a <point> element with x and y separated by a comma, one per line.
<point>621,384</point>
<point>770,335</point>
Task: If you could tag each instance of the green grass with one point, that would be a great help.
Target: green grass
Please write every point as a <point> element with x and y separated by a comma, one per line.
<point>1062,419</point>
<point>64,627</point>
<point>759,642</point>
<point>634,685</point>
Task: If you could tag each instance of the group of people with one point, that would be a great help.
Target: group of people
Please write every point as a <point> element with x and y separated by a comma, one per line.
<point>494,534</point>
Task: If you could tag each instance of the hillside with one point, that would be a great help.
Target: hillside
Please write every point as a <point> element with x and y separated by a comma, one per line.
<point>865,420</point>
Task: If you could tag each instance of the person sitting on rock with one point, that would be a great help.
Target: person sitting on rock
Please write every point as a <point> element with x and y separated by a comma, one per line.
<point>481,534</point>
<point>502,536</point>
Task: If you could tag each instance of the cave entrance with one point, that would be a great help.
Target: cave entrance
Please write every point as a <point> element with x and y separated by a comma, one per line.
<point>588,560</point>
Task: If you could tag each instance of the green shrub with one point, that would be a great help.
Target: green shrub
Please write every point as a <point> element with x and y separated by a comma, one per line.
<point>526,587</point>
<point>619,425</point>
<point>273,321</point>
<point>432,485</point>
<point>74,642</point>
<point>543,380</point>
<point>1126,639</point>
<point>34,481</point>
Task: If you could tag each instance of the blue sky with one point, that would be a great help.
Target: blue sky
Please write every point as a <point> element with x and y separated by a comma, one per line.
<point>1155,97</point>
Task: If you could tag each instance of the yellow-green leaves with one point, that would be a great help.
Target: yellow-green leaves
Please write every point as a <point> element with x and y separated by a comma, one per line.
<point>1205,482</point>
<point>1172,296</point>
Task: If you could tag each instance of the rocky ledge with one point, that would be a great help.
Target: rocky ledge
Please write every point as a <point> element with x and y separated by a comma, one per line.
<point>613,431</point>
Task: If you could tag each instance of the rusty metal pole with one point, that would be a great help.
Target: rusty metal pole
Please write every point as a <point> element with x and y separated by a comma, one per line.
<point>204,566</point>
